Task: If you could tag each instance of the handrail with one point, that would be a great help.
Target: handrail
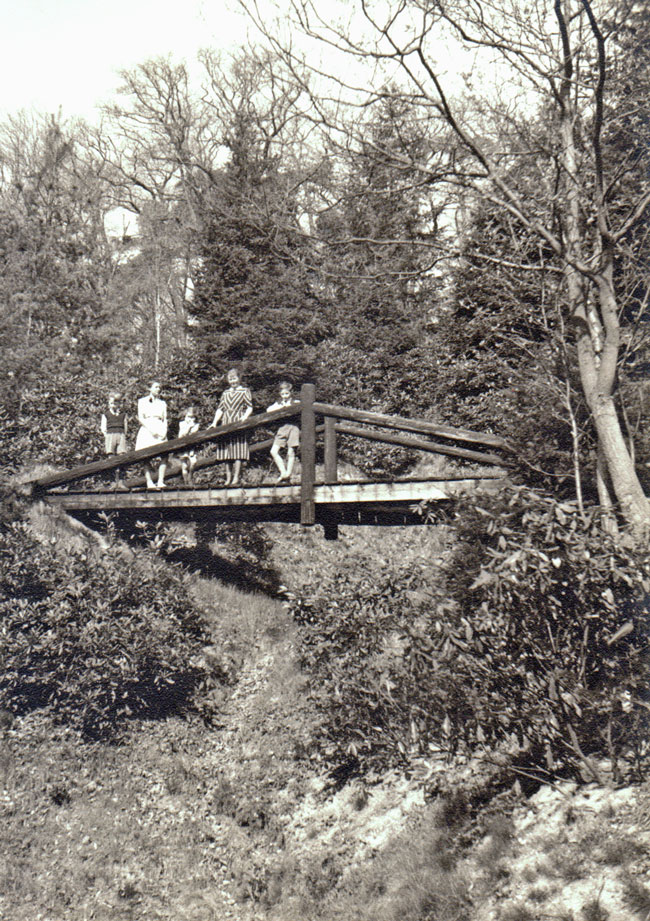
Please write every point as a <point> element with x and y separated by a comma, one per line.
<point>420,444</point>
<point>410,425</point>
<point>164,448</point>
<point>307,409</point>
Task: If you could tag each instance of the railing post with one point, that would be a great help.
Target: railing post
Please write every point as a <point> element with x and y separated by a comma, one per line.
<point>307,454</point>
<point>330,450</point>
<point>330,527</point>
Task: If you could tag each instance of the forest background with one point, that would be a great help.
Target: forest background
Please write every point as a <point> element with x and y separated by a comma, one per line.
<point>476,256</point>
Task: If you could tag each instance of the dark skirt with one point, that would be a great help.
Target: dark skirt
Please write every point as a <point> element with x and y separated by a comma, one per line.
<point>233,448</point>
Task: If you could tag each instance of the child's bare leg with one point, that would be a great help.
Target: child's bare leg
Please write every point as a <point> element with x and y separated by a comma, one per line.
<point>228,476</point>
<point>291,457</point>
<point>119,478</point>
<point>279,463</point>
<point>190,472</point>
<point>236,470</point>
<point>185,473</point>
<point>149,476</point>
<point>161,474</point>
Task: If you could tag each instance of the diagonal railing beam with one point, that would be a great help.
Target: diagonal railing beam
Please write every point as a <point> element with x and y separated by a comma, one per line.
<point>162,449</point>
<point>410,425</point>
<point>420,444</point>
<point>203,463</point>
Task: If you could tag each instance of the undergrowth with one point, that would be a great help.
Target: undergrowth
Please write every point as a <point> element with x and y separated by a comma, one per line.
<point>533,637</point>
<point>97,639</point>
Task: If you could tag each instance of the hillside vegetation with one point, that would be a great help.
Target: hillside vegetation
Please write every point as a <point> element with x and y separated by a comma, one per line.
<point>303,752</point>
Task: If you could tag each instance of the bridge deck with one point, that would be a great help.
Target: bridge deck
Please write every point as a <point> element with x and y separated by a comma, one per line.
<point>343,503</point>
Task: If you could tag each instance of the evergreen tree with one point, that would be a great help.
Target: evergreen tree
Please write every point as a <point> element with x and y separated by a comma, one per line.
<point>383,244</point>
<point>256,301</point>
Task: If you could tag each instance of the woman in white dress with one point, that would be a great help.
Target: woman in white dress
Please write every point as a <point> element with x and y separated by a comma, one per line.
<point>152,416</point>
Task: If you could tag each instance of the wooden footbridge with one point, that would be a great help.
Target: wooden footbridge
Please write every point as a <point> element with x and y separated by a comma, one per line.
<point>329,503</point>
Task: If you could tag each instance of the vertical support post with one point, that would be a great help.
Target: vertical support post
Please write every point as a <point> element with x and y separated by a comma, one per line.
<point>330,450</point>
<point>307,454</point>
<point>330,525</point>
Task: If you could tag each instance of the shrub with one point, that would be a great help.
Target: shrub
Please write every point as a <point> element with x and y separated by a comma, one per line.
<point>548,639</point>
<point>535,636</point>
<point>97,640</point>
<point>355,630</point>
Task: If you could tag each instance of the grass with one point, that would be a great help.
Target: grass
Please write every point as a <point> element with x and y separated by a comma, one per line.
<point>594,911</point>
<point>496,846</point>
<point>619,850</point>
<point>414,878</point>
<point>110,848</point>
<point>636,896</point>
<point>516,912</point>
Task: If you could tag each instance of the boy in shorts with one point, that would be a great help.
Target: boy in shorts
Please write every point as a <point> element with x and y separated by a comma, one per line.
<point>288,435</point>
<point>113,426</point>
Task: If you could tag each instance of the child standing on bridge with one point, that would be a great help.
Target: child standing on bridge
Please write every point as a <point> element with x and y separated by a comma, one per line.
<point>188,426</point>
<point>235,405</point>
<point>288,436</point>
<point>113,425</point>
<point>152,416</point>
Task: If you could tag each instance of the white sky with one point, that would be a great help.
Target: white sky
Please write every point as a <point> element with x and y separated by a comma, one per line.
<point>66,53</point>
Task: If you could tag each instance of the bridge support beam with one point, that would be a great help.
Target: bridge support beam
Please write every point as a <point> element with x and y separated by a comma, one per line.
<point>330,527</point>
<point>307,454</point>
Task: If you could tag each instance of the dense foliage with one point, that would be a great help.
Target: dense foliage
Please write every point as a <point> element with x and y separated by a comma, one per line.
<point>506,365</point>
<point>538,640</point>
<point>95,640</point>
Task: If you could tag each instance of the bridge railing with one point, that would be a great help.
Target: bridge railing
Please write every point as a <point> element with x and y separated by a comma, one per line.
<point>315,418</point>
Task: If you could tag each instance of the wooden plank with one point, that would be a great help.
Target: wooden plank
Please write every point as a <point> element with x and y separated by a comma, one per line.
<point>331,495</point>
<point>399,491</point>
<point>307,454</point>
<point>178,498</point>
<point>410,425</point>
<point>166,447</point>
<point>419,444</point>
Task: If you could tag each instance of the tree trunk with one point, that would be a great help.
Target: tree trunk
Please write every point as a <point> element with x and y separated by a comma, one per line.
<point>612,446</point>
<point>598,335</point>
<point>625,482</point>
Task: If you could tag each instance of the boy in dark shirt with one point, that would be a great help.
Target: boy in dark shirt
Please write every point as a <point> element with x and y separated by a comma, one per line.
<point>113,425</point>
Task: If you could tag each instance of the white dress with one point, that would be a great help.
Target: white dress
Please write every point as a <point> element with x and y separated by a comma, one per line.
<point>152,415</point>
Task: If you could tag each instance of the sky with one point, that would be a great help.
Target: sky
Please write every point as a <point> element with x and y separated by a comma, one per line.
<point>67,53</point>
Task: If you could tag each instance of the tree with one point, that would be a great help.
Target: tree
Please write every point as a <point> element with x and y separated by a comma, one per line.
<point>55,266</point>
<point>555,63</point>
<point>256,304</point>
<point>53,250</point>
<point>509,367</point>
<point>148,146</point>
<point>379,278</point>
